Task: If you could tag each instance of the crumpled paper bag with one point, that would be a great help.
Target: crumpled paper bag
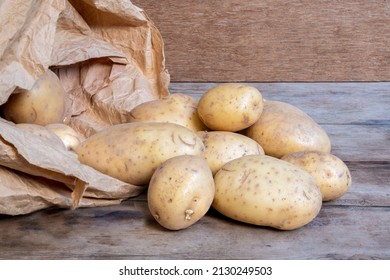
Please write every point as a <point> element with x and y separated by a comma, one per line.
<point>109,57</point>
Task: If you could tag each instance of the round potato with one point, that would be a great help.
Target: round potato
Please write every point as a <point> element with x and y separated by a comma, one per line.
<point>283,129</point>
<point>45,103</point>
<point>132,151</point>
<point>181,191</point>
<point>224,146</point>
<point>67,134</point>
<point>176,108</point>
<point>230,107</point>
<point>330,172</point>
<point>266,191</point>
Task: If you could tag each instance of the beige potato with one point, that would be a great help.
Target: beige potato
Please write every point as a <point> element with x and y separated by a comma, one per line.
<point>67,134</point>
<point>224,146</point>
<point>266,191</point>
<point>283,129</point>
<point>132,151</point>
<point>181,191</point>
<point>176,108</point>
<point>45,103</point>
<point>330,172</point>
<point>230,107</point>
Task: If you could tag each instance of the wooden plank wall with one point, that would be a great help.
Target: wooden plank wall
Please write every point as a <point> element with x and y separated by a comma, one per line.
<point>274,40</point>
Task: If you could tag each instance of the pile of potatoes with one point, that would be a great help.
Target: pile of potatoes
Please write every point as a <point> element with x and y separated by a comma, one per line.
<point>257,161</point>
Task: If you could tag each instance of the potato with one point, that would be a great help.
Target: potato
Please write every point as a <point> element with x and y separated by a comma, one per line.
<point>224,146</point>
<point>132,151</point>
<point>230,107</point>
<point>176,108</point>
<point>181,191</point>
<point>45,103</point>
<point>266,191</point>
<point>284,129</point>
<point>330,172</point>
<point>67,134</point>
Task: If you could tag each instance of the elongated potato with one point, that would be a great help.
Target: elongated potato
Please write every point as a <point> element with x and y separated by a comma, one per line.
<point>224,146</point>
<point>283,129</point>
<point>132,151</point>
<point>181,191</point>
<point>330,172</point>
<point>45,103</point>
<point>266,191</point>
<point>176,108</point>
<point>230,107</point>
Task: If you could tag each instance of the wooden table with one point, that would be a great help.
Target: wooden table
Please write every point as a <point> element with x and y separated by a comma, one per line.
<point>356,226</point>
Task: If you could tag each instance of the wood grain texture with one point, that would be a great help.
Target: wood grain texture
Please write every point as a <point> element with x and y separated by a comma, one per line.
<point>355,226</point>
<point>327,103</point>
<point>234,40</point>
<point>355,115</point>
<point>128,231</point>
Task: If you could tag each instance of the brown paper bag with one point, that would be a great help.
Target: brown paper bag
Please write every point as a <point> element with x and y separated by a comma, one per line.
<point>22,193</point>
<point>109,57</point>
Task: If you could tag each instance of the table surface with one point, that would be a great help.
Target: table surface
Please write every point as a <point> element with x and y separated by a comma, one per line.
<point>356,226</point>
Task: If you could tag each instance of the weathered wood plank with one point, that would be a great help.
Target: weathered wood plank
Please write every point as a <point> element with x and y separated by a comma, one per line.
<point>370,185</point>
<point>355,115</point>
<point>233,40</point>
<point>360,142</point>
<point>128,231</point>
<point>327,103</point>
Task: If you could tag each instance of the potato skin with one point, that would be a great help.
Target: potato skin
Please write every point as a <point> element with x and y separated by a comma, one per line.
<point>266,191</point>
<point>67,134</point>
<point>181,191</point>
<point>230,107</point>
<point>283,129</point>
<point>176,108</point>
<point>132,151</point>
<point>224,146</point>
<point>45,103</point>
<point>330,172</point>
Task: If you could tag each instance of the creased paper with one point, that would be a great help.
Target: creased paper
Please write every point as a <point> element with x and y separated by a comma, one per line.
<point>109,58</point>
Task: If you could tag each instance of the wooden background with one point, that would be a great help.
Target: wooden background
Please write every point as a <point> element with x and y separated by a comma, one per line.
<point>284,43</point>
<point>273,40</point>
